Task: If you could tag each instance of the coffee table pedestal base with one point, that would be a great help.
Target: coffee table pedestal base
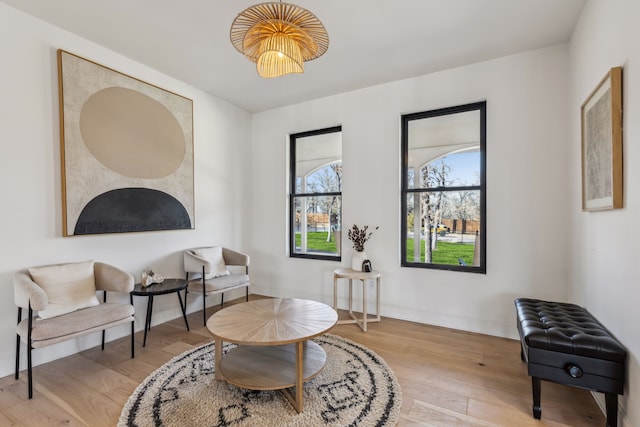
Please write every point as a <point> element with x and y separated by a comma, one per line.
<point>279,367</point>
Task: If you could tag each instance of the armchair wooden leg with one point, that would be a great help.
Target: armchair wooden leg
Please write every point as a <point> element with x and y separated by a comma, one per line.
<point>133,354</point>
<point>247,288</point>
<point>29,348</point>
<point>18,356</point>
<point>204,310</point>
<point>221,299</point>
<point>29,371</point>
<point>104,331</point>
<point>186,291</point>
<point>204,300</point>
<point>18,344</point>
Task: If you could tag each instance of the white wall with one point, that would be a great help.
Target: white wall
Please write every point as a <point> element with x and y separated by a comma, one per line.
<point>30,217</point>
<point>604,276</point>
<point>526,191</point>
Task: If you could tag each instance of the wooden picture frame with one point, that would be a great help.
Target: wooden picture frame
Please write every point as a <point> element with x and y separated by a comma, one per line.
<point>601,145</point>
<point>126,152</point>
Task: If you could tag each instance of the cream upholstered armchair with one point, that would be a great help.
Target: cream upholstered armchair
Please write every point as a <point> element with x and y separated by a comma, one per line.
<point>207,272</point>
<point>62,304</point>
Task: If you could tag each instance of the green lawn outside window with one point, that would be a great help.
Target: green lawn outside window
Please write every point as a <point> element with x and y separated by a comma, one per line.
<point>446,253</point>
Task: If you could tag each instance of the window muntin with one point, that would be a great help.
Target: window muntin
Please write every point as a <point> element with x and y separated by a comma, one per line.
<point>443,186</point>
<point>316,194</point>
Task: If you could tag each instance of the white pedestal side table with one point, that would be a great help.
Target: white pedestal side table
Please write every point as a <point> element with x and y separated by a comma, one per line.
<point>364,277</point>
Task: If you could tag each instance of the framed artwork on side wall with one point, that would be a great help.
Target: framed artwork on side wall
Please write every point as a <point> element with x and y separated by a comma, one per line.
<point>126,152</point>
<point>601,122</point>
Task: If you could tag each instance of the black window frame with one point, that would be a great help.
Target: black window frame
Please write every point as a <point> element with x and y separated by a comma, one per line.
<point>293,195</point>
<point>480,106</point>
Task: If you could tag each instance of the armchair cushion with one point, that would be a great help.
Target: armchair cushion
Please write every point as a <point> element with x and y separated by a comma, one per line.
<point>69,287</point>
<point>213,261</point>
<point>81,322</point>
<point>222,283</point>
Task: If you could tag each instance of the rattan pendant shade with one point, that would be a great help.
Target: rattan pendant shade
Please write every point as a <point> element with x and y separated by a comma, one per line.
<point>279,37</point>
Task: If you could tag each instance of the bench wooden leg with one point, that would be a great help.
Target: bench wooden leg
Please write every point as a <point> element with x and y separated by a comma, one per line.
<point>611,401</point>
<point>536,386</point>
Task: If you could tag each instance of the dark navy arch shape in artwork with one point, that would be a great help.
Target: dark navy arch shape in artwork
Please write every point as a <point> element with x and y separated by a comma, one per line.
<point>132,209</point>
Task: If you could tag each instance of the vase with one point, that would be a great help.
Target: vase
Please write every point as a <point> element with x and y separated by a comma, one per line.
<point>356,260</point>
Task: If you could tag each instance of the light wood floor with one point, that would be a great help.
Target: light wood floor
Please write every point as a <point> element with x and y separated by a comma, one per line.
<point>448,378</point>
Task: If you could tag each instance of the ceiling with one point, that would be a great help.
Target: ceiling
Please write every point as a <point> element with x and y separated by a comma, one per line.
<point>370,41</point>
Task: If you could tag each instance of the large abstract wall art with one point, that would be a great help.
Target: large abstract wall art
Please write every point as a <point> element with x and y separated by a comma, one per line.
<point>126,151</point>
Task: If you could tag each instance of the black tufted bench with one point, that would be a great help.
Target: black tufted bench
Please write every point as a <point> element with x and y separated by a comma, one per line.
<point>565,344</point>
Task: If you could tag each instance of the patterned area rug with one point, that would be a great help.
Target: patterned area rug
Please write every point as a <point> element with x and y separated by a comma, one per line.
<point>355,388</point>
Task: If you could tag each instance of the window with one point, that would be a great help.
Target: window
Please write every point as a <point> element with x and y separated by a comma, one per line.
<point>315,200</point>
<point>443,188</point>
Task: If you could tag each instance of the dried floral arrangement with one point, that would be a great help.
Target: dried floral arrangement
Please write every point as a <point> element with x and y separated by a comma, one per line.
<point>359,236</point>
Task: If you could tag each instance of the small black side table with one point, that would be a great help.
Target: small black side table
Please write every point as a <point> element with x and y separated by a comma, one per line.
<point>168,286</point>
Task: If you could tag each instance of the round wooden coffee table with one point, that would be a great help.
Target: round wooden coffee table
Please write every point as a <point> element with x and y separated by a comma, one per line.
<point>274,350</point>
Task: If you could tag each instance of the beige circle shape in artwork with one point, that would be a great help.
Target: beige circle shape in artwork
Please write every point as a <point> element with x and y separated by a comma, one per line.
<point>131,133</point>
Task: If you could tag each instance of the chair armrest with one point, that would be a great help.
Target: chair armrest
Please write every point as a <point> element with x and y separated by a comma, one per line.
<point>235,258</point>
<point>27,291</point>
<point>110,278</point>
